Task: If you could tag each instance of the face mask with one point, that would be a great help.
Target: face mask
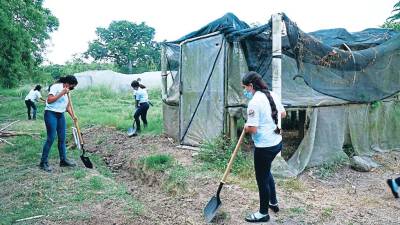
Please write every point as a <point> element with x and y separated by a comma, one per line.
<point>247,94</point>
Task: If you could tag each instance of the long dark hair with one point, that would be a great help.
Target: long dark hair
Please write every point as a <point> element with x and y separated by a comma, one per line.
<point>66,80</point>
<point>37,88</point>
<point>259,85</point>
<point>136,84</point>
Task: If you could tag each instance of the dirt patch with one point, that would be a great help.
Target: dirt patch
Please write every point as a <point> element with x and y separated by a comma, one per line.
<point>347,197</point>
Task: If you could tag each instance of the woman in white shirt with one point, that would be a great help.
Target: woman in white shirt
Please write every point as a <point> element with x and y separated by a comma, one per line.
<point>262,124</point>
<point>56,104</point>
<point>141,103</point>
<point>30,100</point>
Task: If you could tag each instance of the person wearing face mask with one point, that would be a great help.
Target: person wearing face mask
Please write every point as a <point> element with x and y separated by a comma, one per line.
<point>57,103</point>
<point>262,123</point>
<point>141,103</point>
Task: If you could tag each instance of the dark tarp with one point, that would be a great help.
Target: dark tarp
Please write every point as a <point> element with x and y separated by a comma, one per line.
<point>357,67</point>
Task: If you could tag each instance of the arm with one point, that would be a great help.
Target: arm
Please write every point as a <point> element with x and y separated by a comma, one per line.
<point>70,111</point>
<point>250,129</point>
<point>283,114</point>
<point>52,98</point>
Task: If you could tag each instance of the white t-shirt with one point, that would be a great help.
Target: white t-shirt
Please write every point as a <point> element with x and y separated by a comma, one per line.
<point>141,95</point>
<point>61,104</point>
<point>259,115</point>
<point>33,95</point>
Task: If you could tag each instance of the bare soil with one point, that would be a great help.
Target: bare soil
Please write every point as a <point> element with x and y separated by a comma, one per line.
<point>346,197</point>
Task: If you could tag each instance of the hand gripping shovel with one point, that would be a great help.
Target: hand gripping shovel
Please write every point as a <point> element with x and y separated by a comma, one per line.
<point>215,202</point>
<point>76,131</point>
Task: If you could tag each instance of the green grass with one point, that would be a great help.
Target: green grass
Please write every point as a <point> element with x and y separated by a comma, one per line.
<point>291,185</point>
<point>176,183</point>
<point>327,169</point>
<point>216,154</point>
<point>159,162</point>
<point>93,106</point>
<point>27,191</point>
<point>174,176</point>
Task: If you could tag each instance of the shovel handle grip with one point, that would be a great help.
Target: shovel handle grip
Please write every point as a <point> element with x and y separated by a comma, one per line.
<point>233,156</point>
<point>75,122</point>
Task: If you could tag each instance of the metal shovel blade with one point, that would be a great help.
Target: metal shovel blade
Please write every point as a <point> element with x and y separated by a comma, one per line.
<point>211,208</point>
<point>86,161</point>
<point>131,131</point>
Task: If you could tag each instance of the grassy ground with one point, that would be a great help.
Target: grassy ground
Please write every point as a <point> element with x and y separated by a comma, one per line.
<point>68,195</point>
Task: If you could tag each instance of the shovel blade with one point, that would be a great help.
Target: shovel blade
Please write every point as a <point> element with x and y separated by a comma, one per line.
<point>131,131</point>
<point>86,161</point>
<point>211,208</point>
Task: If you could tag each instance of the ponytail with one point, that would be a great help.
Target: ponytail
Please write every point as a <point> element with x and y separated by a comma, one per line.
<point>259,85</point>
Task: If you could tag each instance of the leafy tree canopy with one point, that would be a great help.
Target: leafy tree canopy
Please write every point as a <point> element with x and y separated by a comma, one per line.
<point>24,27</point>
<point>395,12</point>
<point>127,44</point>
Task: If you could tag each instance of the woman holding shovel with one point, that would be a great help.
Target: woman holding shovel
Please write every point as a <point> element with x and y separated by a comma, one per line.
<point>141,104</point>
<point>56,104</point>
<point>262,124</point>
<point>30,100</point>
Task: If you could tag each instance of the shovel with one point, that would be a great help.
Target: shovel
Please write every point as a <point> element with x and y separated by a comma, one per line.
<point>76,132</point>
<point>215,202</point>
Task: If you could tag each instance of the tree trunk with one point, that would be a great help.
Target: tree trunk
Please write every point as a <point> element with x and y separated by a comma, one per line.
<point>130,66</point>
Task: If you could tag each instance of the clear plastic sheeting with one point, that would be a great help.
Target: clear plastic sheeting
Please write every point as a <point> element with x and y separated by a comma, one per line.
<point>202,90</point>
<point>371,128</point>
<point>347,82</point>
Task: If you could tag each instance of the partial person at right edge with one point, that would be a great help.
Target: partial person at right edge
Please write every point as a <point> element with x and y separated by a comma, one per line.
<point>141,104</point>
<point>394,186</point>
<point>30,100</point>
<point>57,103</point>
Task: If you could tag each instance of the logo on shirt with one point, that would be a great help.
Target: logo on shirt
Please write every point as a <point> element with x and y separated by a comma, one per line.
<point>251,113</point>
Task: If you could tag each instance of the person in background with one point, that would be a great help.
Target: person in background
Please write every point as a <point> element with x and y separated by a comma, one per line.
<point>30,100</point>
<point>394,186</point>
<point>56,104</point>
<point>141,103</point>
<point>262,123</point>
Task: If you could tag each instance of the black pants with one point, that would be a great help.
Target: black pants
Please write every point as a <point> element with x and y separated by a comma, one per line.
<point>141,112</point>
<point>397,181</point>
<point>30,104</point>
<point>263,158</point>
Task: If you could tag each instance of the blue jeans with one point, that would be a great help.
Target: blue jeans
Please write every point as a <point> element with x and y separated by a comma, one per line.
<point>263,158</point>
<point>55,124</point>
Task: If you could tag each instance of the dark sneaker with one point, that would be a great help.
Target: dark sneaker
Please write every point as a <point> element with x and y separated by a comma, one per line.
<point>45,167</point>
<point>274,208</point>
<point>392,188</point>
<point>253,219</point>
<point>67,163</point>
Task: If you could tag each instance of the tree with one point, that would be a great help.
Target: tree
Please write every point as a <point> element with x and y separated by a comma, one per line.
<point>127,44</point>
<point>24,27</point>
<point>396,11</point>
<point>393,21</point>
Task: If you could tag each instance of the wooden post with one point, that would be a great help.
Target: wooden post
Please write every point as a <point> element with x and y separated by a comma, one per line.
<point>276,58</point>
<point>302,121</point>
<point>163,73</point>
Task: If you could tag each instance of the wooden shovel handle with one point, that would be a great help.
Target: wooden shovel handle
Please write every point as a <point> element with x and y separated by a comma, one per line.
<point>234,153</point>
<point>75,122</point>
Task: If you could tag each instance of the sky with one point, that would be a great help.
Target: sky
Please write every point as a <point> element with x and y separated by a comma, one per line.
<point>173,19</point>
